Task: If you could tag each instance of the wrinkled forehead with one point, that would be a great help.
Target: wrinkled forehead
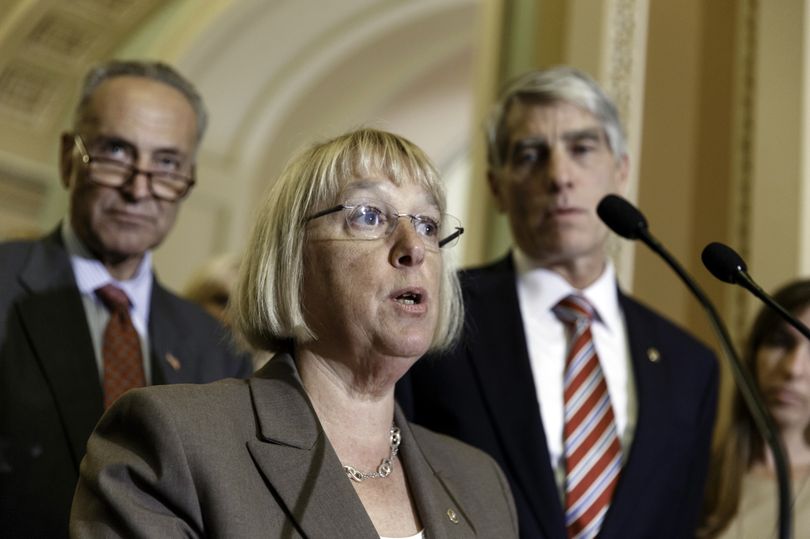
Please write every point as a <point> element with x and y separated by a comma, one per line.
<point>141,111</point>
<point>524,112</point>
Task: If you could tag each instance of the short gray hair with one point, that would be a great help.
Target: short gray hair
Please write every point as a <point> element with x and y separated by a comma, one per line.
<point>267,310</point>
<point>553,85</point>
<point>157,71</point>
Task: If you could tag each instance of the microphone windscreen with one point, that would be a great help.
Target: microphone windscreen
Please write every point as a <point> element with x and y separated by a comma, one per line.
<point>621,217</point>
<point>723,262</point>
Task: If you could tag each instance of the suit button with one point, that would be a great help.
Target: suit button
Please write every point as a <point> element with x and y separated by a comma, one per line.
<point>653,354</point>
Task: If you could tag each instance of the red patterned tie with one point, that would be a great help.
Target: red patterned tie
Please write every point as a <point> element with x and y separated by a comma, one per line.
<point>121,346</point>
<point>592,449</point>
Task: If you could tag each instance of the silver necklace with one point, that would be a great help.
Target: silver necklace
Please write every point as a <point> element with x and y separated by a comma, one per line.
<point>385,467</point>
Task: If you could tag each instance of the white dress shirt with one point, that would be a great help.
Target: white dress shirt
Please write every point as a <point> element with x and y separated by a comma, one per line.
<point>539,290</point>
<point>90,275</point>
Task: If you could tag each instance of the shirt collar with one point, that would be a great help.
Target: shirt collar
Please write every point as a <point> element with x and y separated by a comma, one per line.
<point>548,288</point>
<point>91,274</point>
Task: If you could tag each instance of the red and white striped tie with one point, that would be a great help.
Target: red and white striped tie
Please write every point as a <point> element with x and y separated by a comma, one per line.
<point>592,450</point>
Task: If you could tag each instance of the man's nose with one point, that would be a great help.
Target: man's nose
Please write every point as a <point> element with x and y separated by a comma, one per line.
<point>137,187</point>
<point>558,169</point>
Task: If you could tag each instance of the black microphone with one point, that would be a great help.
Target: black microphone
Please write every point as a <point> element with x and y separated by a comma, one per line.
<point>622,217</point>
<point>627,221</point>
<point>724,263</point>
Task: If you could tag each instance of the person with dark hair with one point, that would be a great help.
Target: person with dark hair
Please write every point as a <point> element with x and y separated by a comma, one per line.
<point>347,277</point>
<point>741,496</point>
<point>599,410</point>
<point>82,316</point>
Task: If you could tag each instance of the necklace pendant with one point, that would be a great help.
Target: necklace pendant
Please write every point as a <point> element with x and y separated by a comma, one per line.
<point>385,468</point>
<point>353,474</point>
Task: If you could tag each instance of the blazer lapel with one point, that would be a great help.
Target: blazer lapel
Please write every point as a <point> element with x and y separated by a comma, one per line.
<point>652,394</point>
<point>498,350</point>
<point>296,459</point>
<point>432,492</point>
<point>168,361</point>
<point>54,320</point>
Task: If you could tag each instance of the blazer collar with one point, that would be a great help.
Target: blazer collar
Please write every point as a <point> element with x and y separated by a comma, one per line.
<point>438,501</point>
<point>653,391</point>
<point>301,466</point>
<point>53,316</point>
<point>510,393</point>
<point>297,460</point>
<point>169,366</point>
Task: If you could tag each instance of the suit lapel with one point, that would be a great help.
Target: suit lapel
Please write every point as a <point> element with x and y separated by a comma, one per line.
<point>169,365</point>
<point>652,394</point>
<point>54,320</point>
<point>498,350</point>
<point>297,460</point>
<point>432,491</point>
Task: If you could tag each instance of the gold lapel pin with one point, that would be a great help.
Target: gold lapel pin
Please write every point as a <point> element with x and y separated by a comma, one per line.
<point>653,354</point>
<point>452,516</point>
<point>173,361</point>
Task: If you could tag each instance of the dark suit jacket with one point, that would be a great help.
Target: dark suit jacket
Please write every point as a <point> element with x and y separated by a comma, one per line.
<point>250,459</point>
<point>50,390</point>
<point>483,393</point>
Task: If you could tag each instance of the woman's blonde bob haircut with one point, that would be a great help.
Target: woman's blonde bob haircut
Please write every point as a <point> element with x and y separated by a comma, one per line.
<point>267,309</point>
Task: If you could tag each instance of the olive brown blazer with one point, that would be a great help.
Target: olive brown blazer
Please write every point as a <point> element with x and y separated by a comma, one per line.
<point>248,458</point>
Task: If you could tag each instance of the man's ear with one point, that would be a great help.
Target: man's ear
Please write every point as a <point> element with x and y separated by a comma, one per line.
<point>494,181</point>
<point>66,163</point>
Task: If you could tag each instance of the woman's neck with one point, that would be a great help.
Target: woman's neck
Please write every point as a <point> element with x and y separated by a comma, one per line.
<point>797,450</point>
<point>349,412</point>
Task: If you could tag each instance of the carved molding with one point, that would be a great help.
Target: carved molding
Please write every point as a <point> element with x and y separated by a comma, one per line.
<point>49,46</point>
<point>622,55</point>
<point>743,156</point>
<point>622,74</point>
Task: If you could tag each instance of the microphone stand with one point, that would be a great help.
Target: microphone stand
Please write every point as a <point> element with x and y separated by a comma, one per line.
<point>745,280</point>
<point>745,383</point>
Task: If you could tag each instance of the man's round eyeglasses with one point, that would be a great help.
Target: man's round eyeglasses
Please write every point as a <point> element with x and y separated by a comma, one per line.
<point>168,186</point>
<point>371,220</point>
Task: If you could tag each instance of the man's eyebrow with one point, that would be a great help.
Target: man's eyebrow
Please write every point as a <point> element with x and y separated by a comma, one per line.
<point>170,150</point>
<point>590,133</point>
<point>133,149</point>
<point>113,139</point>
<point>529,142</point>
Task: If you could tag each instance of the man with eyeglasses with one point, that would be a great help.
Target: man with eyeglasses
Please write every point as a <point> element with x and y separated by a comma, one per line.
<point>82,317</point>
<point>599,410</point>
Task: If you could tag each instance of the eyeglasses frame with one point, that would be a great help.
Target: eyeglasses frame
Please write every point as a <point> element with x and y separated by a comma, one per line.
<point>87,159</point>
<point>459,230</point>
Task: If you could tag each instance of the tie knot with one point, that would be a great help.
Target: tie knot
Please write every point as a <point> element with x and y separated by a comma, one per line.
<point>574,309</point>
<point>115,299</point>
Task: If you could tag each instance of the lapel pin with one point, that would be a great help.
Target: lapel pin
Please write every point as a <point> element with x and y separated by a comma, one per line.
<point>173,361</point>
<point>452,516</point>
<point>653,354</point>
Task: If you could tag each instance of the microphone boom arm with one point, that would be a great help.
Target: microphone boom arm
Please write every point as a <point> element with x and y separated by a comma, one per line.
<point>745,280</point>
<point>742,376</point>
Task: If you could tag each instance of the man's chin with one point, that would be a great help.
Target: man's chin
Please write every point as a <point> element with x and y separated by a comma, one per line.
<point>122,249</point>
<point>562,250</point>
